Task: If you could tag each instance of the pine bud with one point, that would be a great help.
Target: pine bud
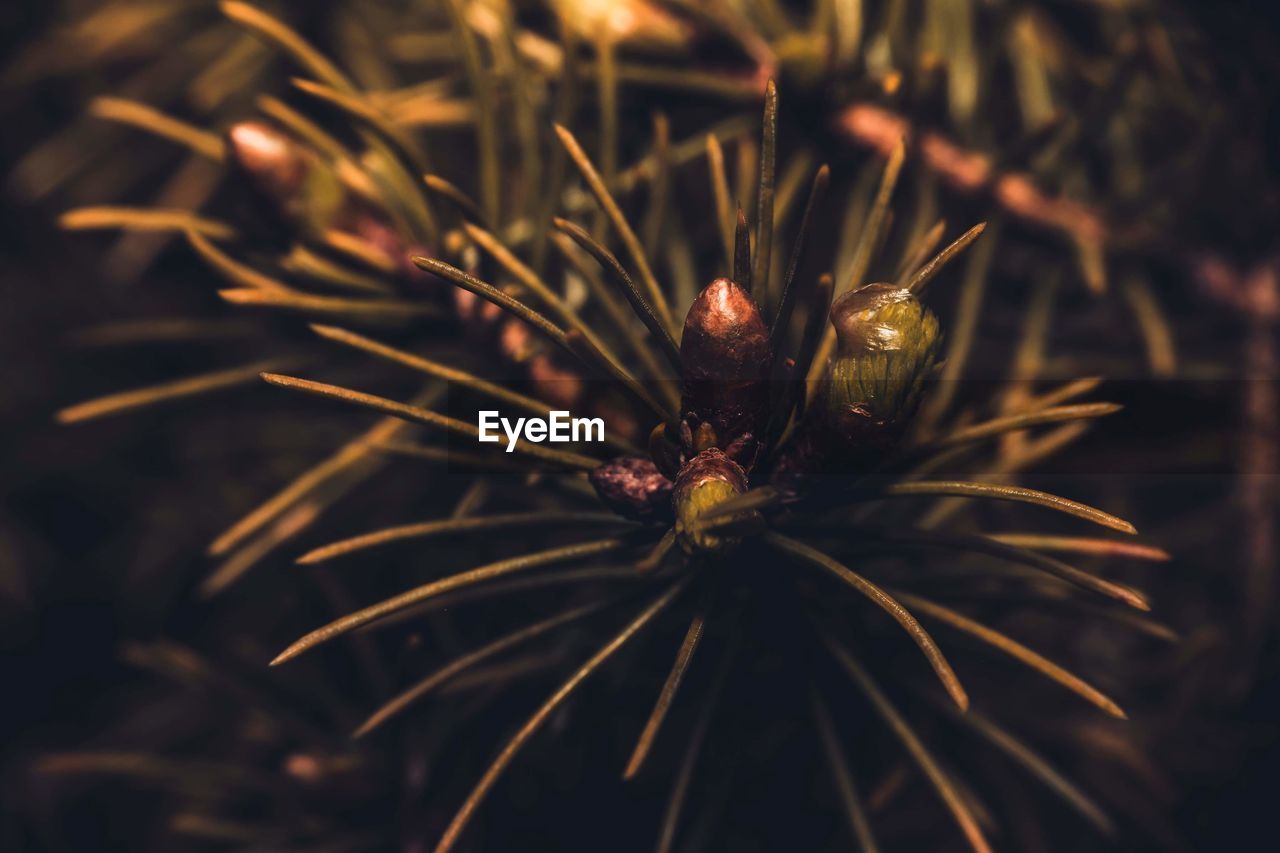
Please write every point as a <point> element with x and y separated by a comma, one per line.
<point>300,189</point>
<point>726,356</point>
<point>887,347</point>
<point>705,482</point>
<point>634,23</point>
<point>633,487</point>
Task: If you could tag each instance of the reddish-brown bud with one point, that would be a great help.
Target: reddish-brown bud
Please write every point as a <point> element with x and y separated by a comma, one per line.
<point>706,481</point>
<point>634,23</point>
<point>633,487</point>
<point>726,357</point>
<point>301,189</point>
<point>275,163</point>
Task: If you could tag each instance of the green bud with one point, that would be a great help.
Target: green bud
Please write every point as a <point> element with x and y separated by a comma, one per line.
<point>887,347</point>
<point>704,483</point>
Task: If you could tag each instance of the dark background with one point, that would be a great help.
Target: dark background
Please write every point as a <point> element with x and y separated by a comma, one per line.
<point>76,505</point>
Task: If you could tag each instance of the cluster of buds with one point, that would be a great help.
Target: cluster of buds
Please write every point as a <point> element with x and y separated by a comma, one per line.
<point>304,194</point>
<point>300,193</point>
<point>887,347</point>
<point>726,358</point>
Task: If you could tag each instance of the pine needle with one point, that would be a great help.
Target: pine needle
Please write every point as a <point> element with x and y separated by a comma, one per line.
<point>742,274</point>
<point>534,723</point>
<point>1082,545</point>
<point>1018,494</point>
<point>233,270</point>
<point>684,656</point>
<point>304,262</point>
<point>926,273</point>
<point>660,188</point>
<point>487,291</point>
<point>1069,391</point>
<point>764,201</point>
<point>1021,556</point>
<point>501,568</point>
<point>915,747</point>
<point>1014,423</point>
<point>814,324</point>
<point>1157,332</point>
<point>832,749</point>
<point>642,309</point>
<point>361,251</point>
<point>289,524</point>
<point>918,254</point>
<point>148,118</point>
<point>164,392</point>
<point>466,661</point>
<point>338,306</point>
<point>964,330</point>
<point>451,193</point>
<point>304,128</point>
<point>885,602</point>
<point>594,359</point>
<point>420,415</point>
<point>284,37</point>
<point>534,283</point>
<point>1038,766</point>
<point>786,303</point>
<point>347,456</point>
<point>487,111</point>
<point>618,311</point>
<point>455,526</point>
<point>698,737</point>
<point>368,115</point>
<point>652,561</point>
<point>653,291</point>
<point>462,378</point>
<point>204,775</point>
<point>143,219</point>
<point>1015,650</point>
<point>761,497</point>
<point>607,93</point>
<point>720,193</point>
